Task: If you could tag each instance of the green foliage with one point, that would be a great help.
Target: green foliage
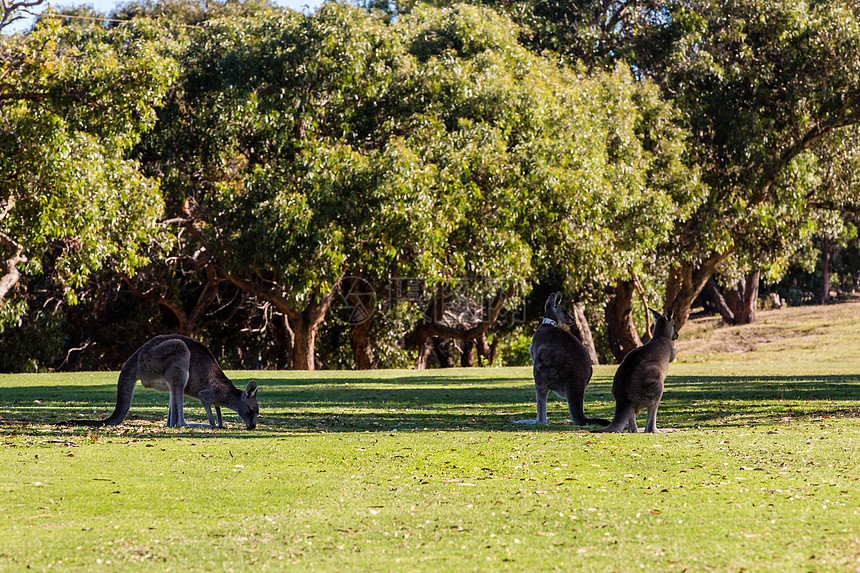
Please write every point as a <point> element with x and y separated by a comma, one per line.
<point>76,100</point>
<point>433,146</point>
<point>586,141</point>
<point>760,83</point>
<point>518,353</point>
<point>33,342</point>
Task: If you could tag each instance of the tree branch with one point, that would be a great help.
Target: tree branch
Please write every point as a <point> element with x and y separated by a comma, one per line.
<point>9,266</point>
<point>811,137</point>
<point>422,332</point>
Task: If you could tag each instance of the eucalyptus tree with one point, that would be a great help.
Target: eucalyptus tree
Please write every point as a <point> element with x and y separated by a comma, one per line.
<point>569,173</point>
<point>73,101</point>
<point>271,159</point>
<point>761,84</point>
<point>301,150</point>
<point>758,82</point>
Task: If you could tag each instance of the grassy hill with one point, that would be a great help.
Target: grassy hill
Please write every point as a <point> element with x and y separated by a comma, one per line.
<point>794,334</point>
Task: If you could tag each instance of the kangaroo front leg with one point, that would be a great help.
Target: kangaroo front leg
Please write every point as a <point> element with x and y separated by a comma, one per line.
<point>218,412</point>
<point>205,397</point>
<point>209,415</point>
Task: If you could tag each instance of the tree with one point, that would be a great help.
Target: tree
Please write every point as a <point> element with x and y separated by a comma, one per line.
<point>73,101</point>
<point>596,165</point>
<point>758,84</point>
<point>279,176</point>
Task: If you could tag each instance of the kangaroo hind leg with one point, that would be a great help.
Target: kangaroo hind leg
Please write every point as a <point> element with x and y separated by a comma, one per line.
<point>540,399</point>
<point>651,421</point>
<point>177,379</point>
<point>621,419</point>
<point>175,365</point>
<point>575,398</point>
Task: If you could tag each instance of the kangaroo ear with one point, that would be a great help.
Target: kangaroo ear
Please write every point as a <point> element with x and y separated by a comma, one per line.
<point>670,313</point>
<point>657,315</point>
<point>557,300</point>
<point>251,389</point>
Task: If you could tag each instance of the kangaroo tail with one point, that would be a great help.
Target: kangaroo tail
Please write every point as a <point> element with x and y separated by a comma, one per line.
<point>619,421</point>
<point>124,393</point>
<point>577,412</point>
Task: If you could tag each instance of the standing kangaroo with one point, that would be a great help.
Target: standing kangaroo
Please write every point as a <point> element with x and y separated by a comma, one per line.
<point>561,364</point>
<point>638,382</point>
<point>181,366</point>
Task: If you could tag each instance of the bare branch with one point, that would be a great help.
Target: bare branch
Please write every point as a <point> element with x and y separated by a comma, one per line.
<point>14,10</point>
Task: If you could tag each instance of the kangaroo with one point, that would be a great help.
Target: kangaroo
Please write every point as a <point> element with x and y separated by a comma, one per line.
<point>638,382</point>
<point>561,364</point>
<point>180,365</point>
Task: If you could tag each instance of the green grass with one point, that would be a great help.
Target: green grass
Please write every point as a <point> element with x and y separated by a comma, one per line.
<point>402,471</point>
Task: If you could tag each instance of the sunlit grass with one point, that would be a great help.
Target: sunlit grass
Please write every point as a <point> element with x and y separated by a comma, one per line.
<point>402,470</point>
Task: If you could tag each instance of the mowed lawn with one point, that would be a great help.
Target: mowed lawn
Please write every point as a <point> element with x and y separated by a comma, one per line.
<point>424,471</point>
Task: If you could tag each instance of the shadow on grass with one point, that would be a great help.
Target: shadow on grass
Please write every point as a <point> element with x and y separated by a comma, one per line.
<point>435,402</point>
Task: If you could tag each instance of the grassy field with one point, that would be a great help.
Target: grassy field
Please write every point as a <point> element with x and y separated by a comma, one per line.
<point>424,471</point>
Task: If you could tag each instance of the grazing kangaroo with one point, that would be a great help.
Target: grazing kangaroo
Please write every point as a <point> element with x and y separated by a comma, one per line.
<point>561,364</point>
<point>181,366</point>
<point>638,382</point>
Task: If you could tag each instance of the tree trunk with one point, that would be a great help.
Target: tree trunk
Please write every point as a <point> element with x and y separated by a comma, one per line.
<point>424,355</point>
<point>362,299</point>
<point>486,351</point>
<point>284,338</point>
<point>619,320</point>
<point>442,351</point>
<point>581,330</point>
<point>304,324</point>
<point>9,273</point>
<point>467,354</point>
<point>716,295</point>
<point>303,347</point>
<point>685,283</point>
<point>826,253</point>
<point>747,296</point>
<point>737,305</point>
<point>362,345</point>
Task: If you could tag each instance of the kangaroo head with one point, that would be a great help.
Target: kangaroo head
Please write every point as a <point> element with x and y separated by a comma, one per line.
<point>248,408</point>
<point>664,325</point>
<point>554,310</point>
